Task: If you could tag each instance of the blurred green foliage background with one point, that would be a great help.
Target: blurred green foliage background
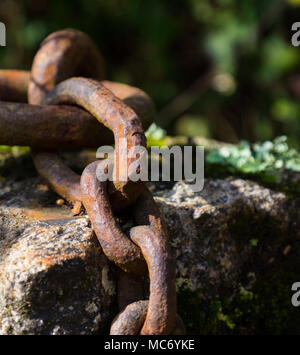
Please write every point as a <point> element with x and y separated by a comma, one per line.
<point>224,69</point>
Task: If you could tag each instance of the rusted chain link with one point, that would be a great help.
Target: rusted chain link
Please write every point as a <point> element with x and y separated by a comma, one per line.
<point>14,88</point>
<point>59,176</point>
<point>14,85</point>
<point>122,109</point>
<point>151,236</point>
<point>116,246</point>
<point>75,53</point>
<point>130,321</point>
<point>114,114</point>
<point>63,54</point>
<point>66,127</point>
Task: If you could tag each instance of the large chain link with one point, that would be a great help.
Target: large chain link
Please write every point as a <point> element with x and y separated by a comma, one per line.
<point>67,96</point>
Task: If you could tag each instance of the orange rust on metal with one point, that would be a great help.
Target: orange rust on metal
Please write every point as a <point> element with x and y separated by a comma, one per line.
<point>114,114</point>
<point>161,312</point>
<point>135,98</point>
<point>131,319</point>
<point>120,108</point>
<point>116,246</point>
<point>151,237</point>
<point>61,178</point>
<point>146,212</point>
<point>55,62</point>
<point>13,85</point>
<point>50,127</point>
<point>66,127</point>
<point>63,54</point>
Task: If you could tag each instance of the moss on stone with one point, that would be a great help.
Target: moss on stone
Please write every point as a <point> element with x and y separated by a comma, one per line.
<point>264,309</point>
<point>248,225</point>
<point>264,305</point>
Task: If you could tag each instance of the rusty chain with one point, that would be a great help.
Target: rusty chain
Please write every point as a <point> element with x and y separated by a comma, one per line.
<point>66,97</point>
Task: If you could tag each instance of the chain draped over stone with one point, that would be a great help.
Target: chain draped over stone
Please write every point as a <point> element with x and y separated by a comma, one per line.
<point>67,98</point>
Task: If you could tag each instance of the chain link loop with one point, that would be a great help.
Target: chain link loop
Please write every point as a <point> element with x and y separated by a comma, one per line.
<point>57,123</point>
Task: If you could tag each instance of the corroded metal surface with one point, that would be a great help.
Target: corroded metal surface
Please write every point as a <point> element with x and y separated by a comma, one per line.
<point>59,176</point>
<point>64,127</point>
<point>114,114</point>
<point>135,98</point>
<point>116,246</point>
<point>152,238</point>
<point>69,53</point>
<point>50,127</point>
<point>47,70</point>
<point>130,321</point>
<point>63,54</point>
<point>121,109</point>
<point>13,85</point>
<point>161,312</point>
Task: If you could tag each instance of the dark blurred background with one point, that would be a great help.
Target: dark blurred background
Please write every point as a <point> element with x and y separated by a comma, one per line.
<point>224,69</point>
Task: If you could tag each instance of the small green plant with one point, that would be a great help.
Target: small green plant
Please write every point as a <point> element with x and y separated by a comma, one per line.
<point>14,150</point>
<point>155,135</point>
<point>254,242</point>
<point>270,158</point>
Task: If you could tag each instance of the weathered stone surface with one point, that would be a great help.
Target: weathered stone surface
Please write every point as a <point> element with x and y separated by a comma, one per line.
<point>54,278</point>
<point>230,237</point>
<point>214,231</point>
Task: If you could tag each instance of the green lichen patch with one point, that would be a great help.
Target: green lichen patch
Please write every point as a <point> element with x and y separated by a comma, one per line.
<point>270,163</point>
